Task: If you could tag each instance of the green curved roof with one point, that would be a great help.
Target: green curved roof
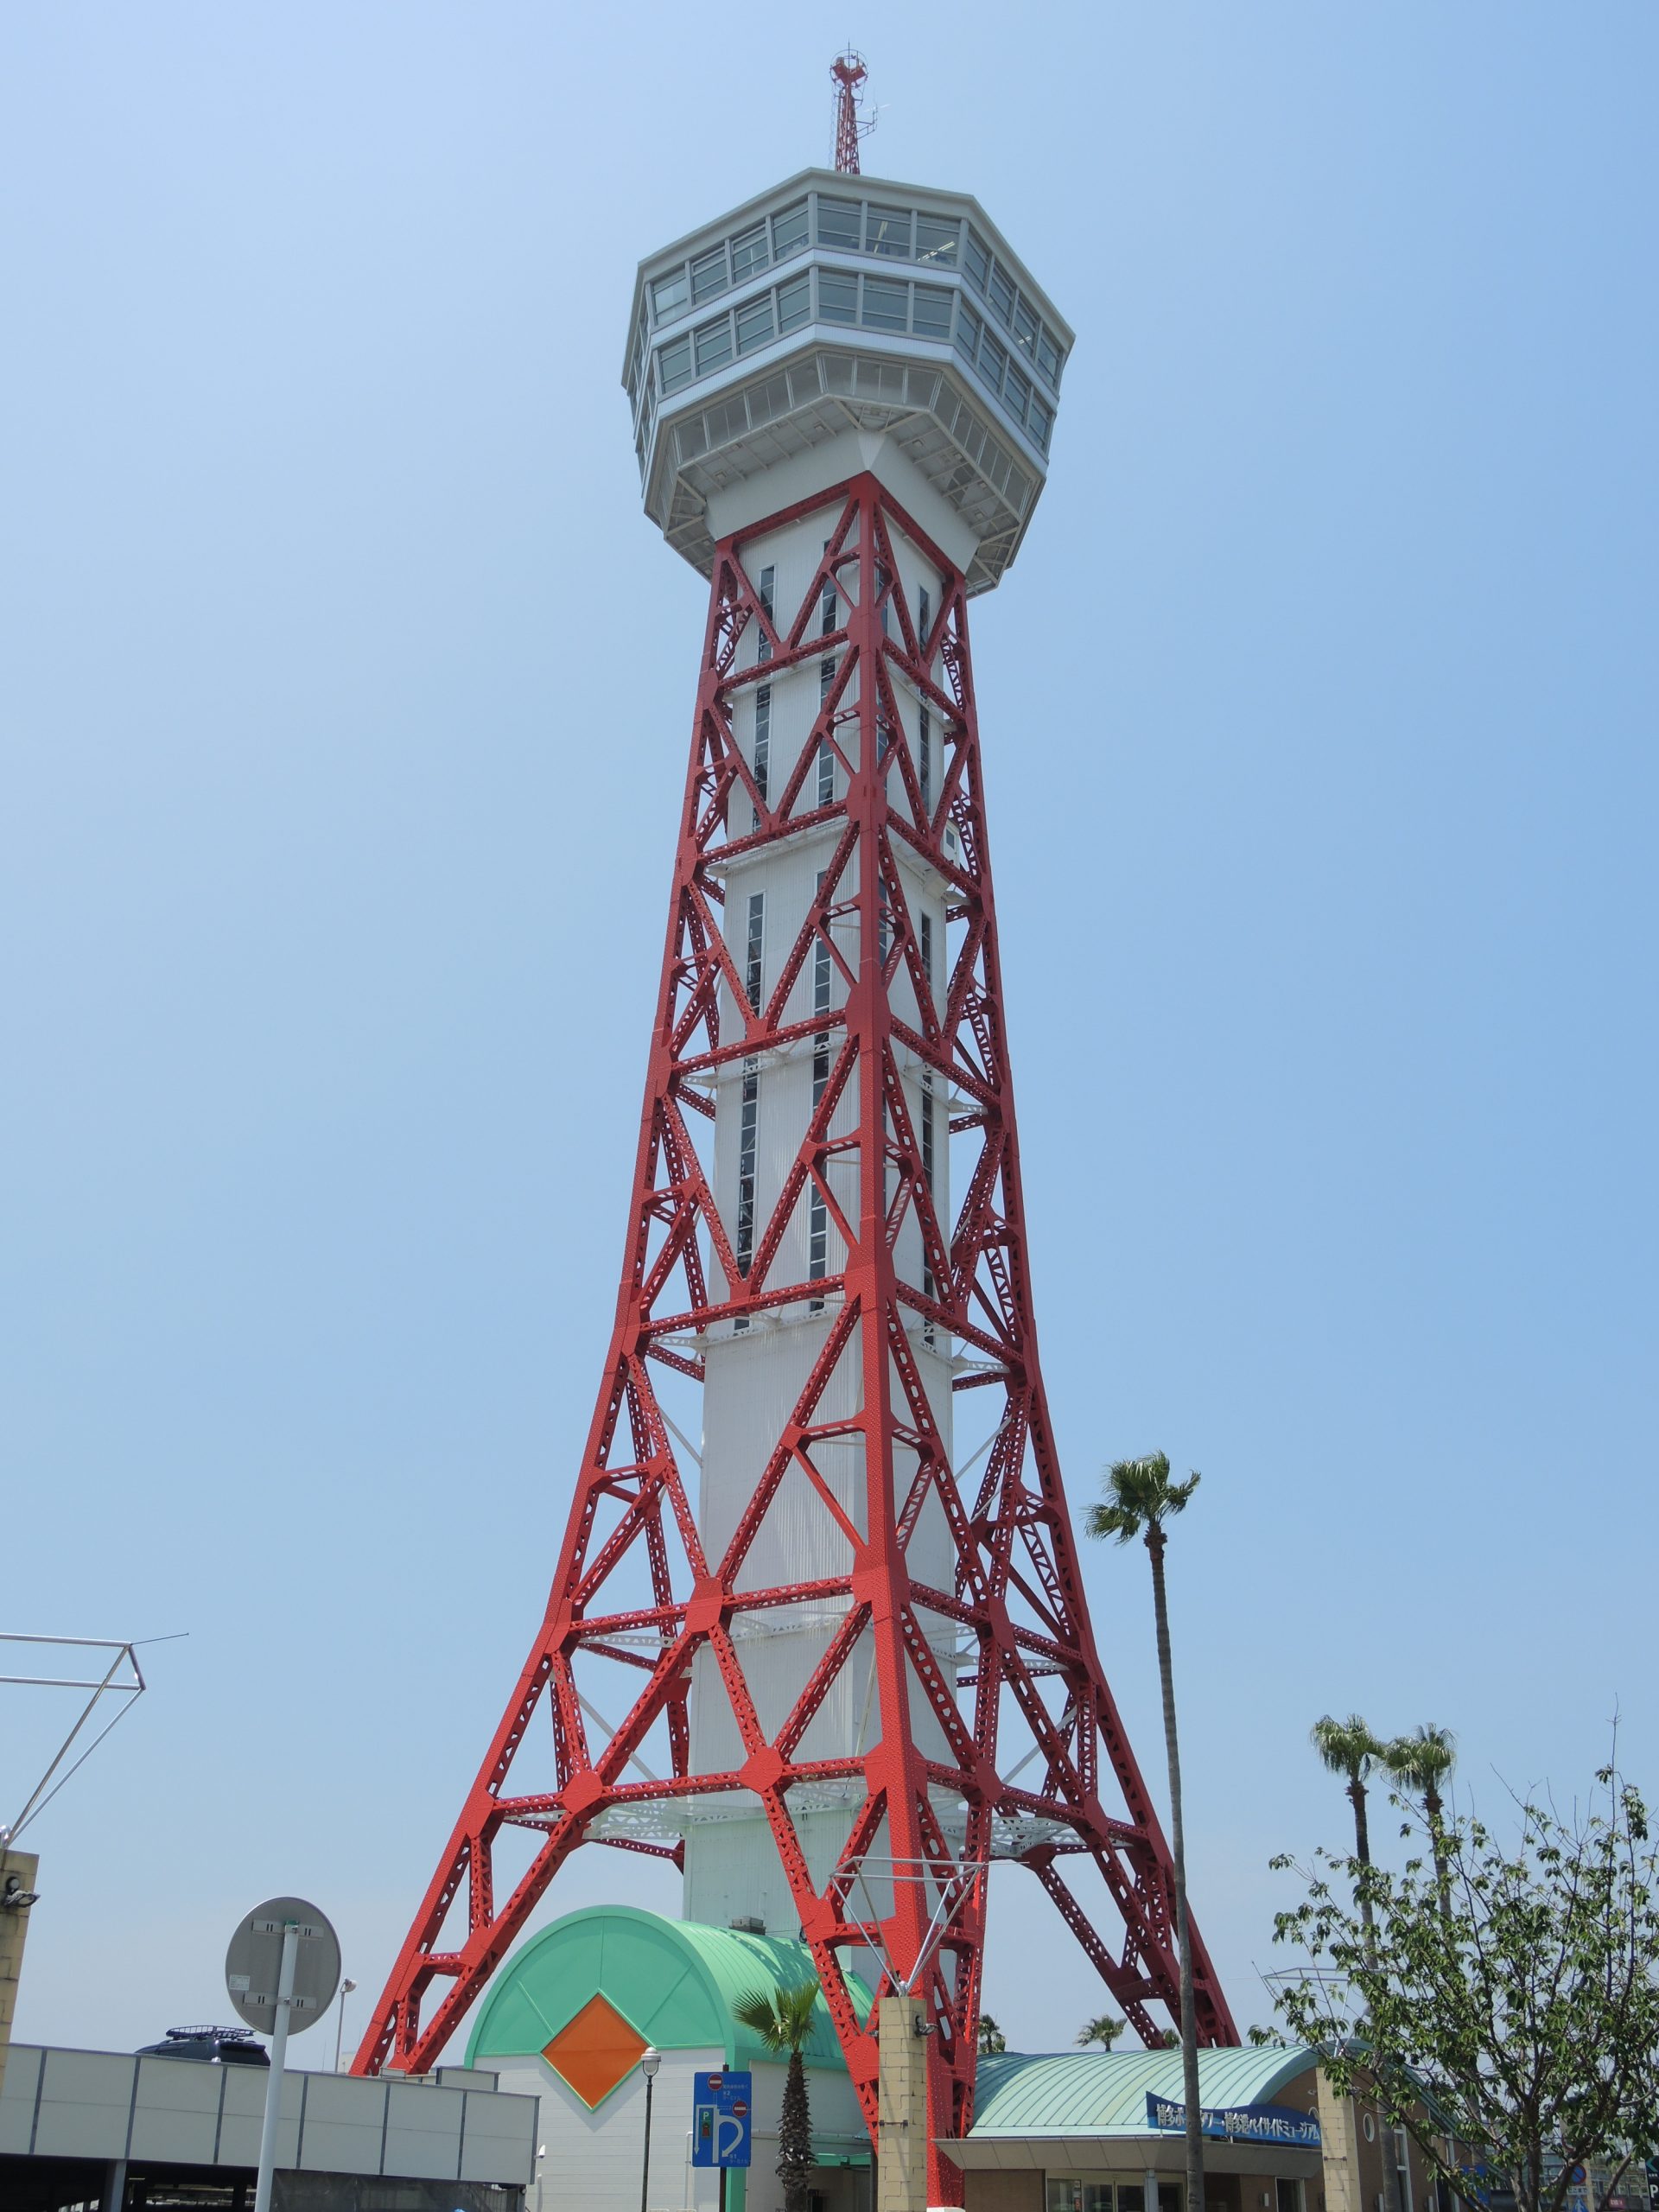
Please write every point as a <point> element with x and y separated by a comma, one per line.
<point>672,1980</point>
<point>1104,2092</point>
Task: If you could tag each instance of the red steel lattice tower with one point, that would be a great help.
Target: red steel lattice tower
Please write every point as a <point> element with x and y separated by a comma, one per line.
<point>846,1661</point>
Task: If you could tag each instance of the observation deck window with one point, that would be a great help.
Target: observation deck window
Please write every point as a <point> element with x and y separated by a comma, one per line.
<point>749,255</point>
<point>931,317</point>
<point>708,274</point>
<point>1002,295</point>
<point>755,327</point>
<point>838,224</point>
<point>794,304</point>
<point>885,304</point>
<point>789,231</point>
<point>669,294</point>
<point>937,242</point>
<point>837,296</point>
<point>674,365</point>
<point>886,232</point>
<point>977,261</point>
<point>714,345</point>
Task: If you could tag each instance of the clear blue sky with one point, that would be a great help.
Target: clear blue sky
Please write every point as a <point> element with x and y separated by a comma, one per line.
<point>346,691</point>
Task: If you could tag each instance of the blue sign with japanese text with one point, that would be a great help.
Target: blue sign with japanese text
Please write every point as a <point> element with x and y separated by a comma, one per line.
<point>1238,2123</point>
<point>722,2115</point>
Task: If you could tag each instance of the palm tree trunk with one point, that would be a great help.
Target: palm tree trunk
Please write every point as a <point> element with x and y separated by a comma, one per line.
<point>1178,1852</point>
<point>794,2137</point>
<point>1435,1808</point>
<point>1363,1852</point>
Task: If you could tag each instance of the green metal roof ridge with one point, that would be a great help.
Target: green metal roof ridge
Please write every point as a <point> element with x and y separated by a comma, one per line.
<point>1105,2092</point>
<point>674,1981</point>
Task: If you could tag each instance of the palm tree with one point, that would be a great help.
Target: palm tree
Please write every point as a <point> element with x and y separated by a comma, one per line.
<point>1421,1763</point>
<point>1140,1499</point>
<point>1348,1747</point>
<point>782,2019</point>
<point>1105,2031</point>
<point>991,2037</point>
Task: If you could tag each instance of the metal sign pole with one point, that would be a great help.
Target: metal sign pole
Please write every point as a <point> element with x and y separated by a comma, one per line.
<point>278,2055</point>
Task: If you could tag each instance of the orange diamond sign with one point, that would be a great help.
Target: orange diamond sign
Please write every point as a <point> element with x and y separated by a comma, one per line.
<point>594,2052</point>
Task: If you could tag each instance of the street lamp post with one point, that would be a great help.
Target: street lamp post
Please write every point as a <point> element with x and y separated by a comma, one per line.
<point>650,2060</point>
<point>345,1989</point>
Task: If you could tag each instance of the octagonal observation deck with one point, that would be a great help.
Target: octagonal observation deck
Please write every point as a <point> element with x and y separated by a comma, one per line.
<point>828,310</point>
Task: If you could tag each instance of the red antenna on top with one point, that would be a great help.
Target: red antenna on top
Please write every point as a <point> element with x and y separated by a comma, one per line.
<point>848,71</point>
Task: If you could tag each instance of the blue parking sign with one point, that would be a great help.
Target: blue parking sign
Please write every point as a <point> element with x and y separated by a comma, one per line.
<point>722,2107</point>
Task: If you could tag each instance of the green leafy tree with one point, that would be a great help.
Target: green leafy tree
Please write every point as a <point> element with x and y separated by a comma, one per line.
<point>1419,1763</point>
<point>1140,1500</point>
<point>781,2018</point>
<point>1104,2029</point>
<point>991,2037</point>
<point>1514,2009</point>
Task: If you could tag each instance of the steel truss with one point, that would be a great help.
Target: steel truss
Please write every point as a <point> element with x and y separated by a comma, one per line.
<point>1029,1696</point>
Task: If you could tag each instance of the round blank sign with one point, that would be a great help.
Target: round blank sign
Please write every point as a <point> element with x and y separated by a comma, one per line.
<point>253,1964</point>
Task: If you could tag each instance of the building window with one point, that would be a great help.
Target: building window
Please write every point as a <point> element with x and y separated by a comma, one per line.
<point>748,1128</point>
<point>977,261</point>
<point>923,616</point>
<point>969,327</point>
<point>768,588</point>
<point>669,296</point>
<point>762,745</point>
<point>714,345</point>
<point>886,232</point>
<point>752,951</point>
<point>708,274</point>
<point>931,318</point>
<point>826,773</point>
<point>924,760</point>
<point>926,948</point>
<point>794,305</point>
<point>754,324</point>
<point>883,923</point>
<point>1001,294</point>
<point>674,365</point>
<point>837,296</point>
<point>749,255</point>
<point>789,231</point>
<point>935,241</point>
<point>838,224</point>
<point>884,597</point>
<point>993,359</point>
<point>885,304</point>
<point>828,604</point>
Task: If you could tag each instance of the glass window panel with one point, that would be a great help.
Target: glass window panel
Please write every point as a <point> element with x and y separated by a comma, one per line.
<point>714,345</point>
<point>885,304</point>
<point>932,317</point>
<point>1040,420</point>
<point>838,224</point>
<point>1097,2196</point>
<point>837,296</point>
<point>749,254</point>
<point>708,274</point>
<point>674,365</point>
<point>754,324</point>
<point>935,241</point>
<point>669,294</point>
<point>1016,391</point>
<point>1001,294</point>
<point>1060,2194</point>
<point>789,231</point>
<point>977,261</point>
<point>1025,327</point>
<point>968,328</point>
<point>795,303</point>
<point>1048,356</point>
<point>993,359</point>
<point>886,232</point>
